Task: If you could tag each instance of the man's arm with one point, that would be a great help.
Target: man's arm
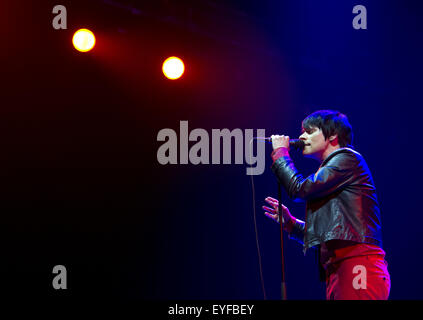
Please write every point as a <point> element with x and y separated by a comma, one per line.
<point>295,228</point>
<point>329,178</point>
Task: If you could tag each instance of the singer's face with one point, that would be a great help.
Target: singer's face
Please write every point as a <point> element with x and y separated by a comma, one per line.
<point>315,143</point>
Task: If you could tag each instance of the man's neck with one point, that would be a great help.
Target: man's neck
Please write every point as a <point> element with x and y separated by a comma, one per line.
<point>329,150</point>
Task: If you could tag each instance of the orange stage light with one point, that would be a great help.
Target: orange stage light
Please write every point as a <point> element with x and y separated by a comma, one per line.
<point>83,40</point>
<point>173,68</point>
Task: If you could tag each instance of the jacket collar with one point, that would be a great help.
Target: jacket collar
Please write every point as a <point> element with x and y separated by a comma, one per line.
<point>334,153</point>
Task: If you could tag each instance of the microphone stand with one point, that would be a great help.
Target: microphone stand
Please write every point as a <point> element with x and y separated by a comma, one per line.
<point>283,286</point>
<point>298,144</point>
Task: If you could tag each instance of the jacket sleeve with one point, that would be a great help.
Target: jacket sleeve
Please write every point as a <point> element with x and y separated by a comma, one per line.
<point>329,178</point>
<point>297,232</point>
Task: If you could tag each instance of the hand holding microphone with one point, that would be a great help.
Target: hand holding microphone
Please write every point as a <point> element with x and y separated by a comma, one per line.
<point>280,141</point>
<point>284,142</point>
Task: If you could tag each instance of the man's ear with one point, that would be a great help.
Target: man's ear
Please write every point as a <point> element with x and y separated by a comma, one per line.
<point>334,138</point>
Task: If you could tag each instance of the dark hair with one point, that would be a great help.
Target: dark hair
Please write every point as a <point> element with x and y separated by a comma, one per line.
<point>331,122</point>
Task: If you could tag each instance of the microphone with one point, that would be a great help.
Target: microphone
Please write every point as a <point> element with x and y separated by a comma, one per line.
<point>295,143</point>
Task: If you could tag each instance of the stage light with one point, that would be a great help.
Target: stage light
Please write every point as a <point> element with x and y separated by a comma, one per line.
<point>173,68</point>
<point>83,40</point>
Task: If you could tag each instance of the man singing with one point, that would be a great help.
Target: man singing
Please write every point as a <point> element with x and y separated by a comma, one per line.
<point>342,212</point>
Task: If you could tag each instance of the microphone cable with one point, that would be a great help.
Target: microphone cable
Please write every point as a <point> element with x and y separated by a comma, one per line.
<point>255,225</point>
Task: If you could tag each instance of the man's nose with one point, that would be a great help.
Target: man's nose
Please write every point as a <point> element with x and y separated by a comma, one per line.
<point>302,136</point>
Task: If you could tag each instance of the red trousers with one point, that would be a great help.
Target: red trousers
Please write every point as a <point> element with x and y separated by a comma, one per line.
<point>358,278</point>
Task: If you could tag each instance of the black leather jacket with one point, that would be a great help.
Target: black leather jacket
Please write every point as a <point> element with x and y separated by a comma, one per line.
<point>341,202</point>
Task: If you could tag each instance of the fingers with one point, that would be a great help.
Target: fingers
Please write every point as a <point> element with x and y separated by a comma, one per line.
<point>280,141</point>
<point>272,216</point>
<point>273,211</point>
<point>277,136</point>
<point>274,203</point>
<point>271,199</point>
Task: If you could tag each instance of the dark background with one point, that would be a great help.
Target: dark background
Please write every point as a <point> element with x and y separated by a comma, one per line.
<point>80,182</point>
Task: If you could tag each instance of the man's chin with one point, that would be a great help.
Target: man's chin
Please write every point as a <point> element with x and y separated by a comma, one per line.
<point>308,154</point>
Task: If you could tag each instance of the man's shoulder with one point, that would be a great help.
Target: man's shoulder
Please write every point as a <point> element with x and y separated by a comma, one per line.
<point>349,152</point>
<point>344,155</point>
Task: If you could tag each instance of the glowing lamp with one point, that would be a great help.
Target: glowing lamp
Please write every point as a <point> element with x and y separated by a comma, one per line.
<point>173,68</point>
<point>83,40</point>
